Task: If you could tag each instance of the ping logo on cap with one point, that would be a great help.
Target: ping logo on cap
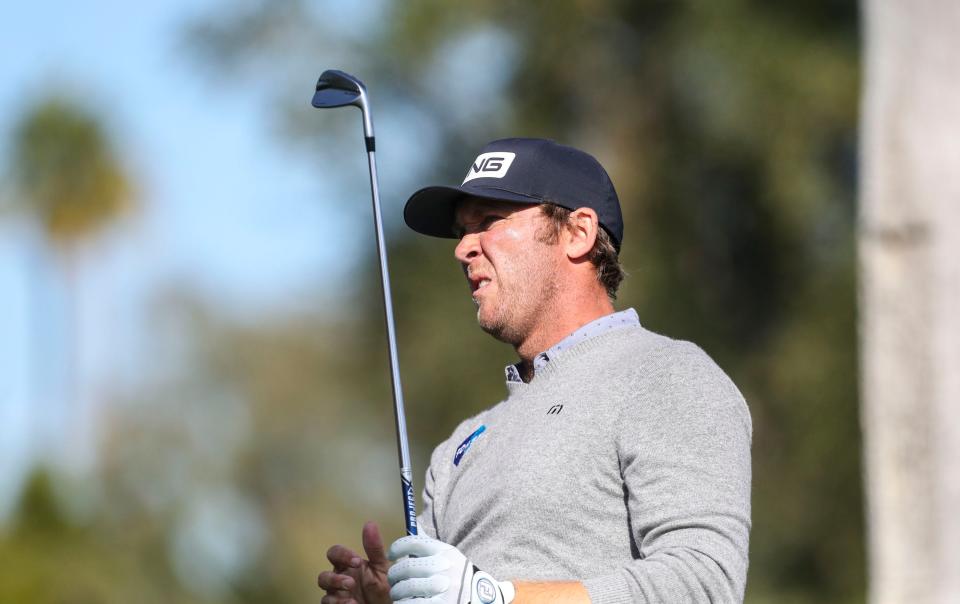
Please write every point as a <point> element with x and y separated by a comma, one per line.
<point>490,165</point>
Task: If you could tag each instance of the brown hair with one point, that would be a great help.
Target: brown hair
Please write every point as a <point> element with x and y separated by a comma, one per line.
<point>603,256</point>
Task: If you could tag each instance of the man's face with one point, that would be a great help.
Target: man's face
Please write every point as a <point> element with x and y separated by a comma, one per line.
<point>510,269</point>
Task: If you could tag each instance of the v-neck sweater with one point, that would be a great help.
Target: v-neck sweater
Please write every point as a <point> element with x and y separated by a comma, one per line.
<point>624,463</point>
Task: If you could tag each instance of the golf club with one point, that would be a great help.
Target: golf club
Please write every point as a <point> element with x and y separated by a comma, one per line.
<point>338,89</point>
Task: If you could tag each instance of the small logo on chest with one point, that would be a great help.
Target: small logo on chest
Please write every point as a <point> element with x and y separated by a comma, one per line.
<point>555,410</point>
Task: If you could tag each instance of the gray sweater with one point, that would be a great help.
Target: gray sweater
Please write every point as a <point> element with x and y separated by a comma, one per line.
<point>624,463</point>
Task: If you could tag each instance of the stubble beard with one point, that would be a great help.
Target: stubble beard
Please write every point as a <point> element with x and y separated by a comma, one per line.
<point>518,309</point>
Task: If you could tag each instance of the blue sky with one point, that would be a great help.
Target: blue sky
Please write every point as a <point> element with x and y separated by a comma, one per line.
<point>225,208</point>
<point>217,189</point>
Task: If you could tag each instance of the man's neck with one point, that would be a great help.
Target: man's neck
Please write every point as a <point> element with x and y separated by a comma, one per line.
<point>555,328</point>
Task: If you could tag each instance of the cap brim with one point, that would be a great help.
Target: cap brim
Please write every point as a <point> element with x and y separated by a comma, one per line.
<point>431,210</point>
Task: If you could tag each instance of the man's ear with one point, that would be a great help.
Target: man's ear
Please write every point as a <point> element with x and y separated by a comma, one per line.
<point>581,233</point>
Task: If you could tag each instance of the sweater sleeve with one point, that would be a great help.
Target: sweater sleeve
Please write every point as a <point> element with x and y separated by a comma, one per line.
<point>426,523</point>
<point>685,462</point>
<point>427,519</point>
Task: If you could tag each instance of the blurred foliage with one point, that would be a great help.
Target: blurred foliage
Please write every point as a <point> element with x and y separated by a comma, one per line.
<point>728,128</point>
<point>66,171</point>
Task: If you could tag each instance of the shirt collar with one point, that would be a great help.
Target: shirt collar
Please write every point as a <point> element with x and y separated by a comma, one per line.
<point>624,318</point>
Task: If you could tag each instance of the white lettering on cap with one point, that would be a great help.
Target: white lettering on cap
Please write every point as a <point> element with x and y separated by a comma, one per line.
<point>490,165</point>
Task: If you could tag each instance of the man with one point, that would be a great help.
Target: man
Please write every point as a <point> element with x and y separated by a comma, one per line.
<point>618,467</point>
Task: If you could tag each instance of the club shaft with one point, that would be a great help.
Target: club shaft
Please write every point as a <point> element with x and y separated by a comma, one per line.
<point>406,472</point>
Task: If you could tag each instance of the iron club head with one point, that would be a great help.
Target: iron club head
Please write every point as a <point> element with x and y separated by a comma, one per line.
<point>337,89</point>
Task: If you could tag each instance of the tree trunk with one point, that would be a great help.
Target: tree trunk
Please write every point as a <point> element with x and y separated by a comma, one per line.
<point>72,426</point>
<point>909,245</point>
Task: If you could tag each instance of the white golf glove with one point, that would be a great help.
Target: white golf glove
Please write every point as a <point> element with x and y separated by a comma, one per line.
<point>437,573</point>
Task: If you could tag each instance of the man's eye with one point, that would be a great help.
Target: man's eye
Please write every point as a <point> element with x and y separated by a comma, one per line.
<point>488,221</point>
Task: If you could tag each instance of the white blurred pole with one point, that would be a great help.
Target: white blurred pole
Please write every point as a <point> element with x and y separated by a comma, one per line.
<point>909,247</point>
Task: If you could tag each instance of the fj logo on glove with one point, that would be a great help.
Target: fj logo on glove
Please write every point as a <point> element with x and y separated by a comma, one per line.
<point>465,445</point>
<point>490,165</point>
<point>486,591</point>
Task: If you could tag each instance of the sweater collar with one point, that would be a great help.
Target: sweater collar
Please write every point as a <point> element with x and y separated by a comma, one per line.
<point>624,318</point>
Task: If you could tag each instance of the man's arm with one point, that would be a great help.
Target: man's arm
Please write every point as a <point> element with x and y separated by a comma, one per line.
<point>685,462</point>
<point>553,592</point>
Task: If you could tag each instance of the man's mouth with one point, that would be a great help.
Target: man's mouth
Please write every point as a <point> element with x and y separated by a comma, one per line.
<point>477,283</point>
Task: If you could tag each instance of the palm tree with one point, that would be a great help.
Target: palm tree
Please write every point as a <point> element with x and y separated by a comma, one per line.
<point>68,178</point>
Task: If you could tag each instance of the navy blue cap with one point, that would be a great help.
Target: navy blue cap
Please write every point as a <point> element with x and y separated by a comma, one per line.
<point>522,170</point>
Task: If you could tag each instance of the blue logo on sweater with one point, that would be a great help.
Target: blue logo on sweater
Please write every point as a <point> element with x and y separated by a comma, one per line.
<point>465,445</point>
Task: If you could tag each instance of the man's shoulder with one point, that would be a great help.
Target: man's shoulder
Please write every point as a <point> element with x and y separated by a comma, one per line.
<point>659,380</point>
<point>655,358</point>
<point>639,344</point>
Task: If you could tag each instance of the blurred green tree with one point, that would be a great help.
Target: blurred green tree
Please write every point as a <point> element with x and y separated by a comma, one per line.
<point>50,557</point>
<point>67,171</point>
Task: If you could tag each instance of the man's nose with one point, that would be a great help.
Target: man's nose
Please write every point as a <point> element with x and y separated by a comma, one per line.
<point>468,248</point>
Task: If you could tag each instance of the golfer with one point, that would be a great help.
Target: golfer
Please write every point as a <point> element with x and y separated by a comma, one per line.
<point>617,468</point>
